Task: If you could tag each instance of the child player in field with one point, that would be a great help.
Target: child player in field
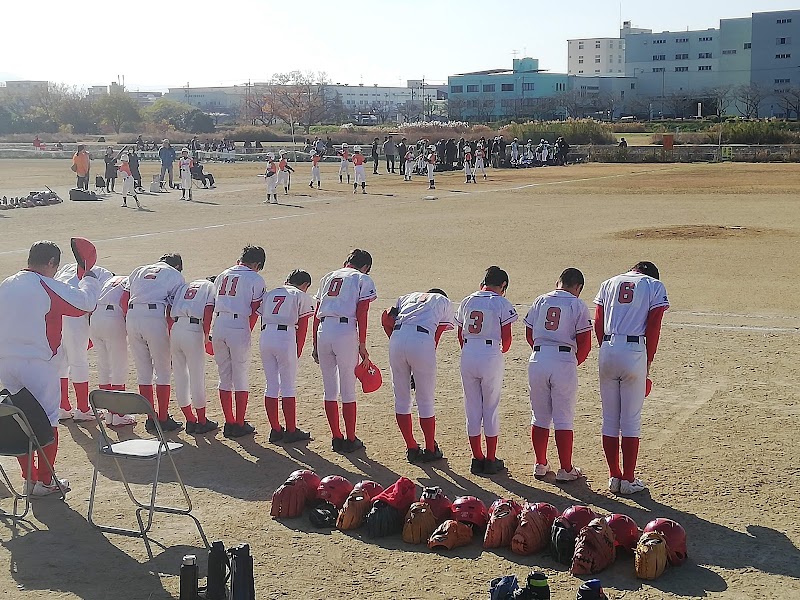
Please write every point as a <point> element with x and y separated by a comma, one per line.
<point>409,166</point>
<point>127,182</point>
<point>185,163</point>
<point>315,158</point>
<point>360,170</point>
<point>344,166</point>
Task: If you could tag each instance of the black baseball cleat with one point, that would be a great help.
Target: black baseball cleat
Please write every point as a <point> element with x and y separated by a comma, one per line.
<point>298,435</point>
<point>413,454</point>
<point>170,424</point>
<point>238,431</point>
<point>207,427</point>
<point>493,467</point>
<point>477,466</point>
<point>228,428</point>
<point>432,455</point>
<point>275,435</point>
<point>353,445</point>
<point>337,445</point>
<point>191,426</point>
<point>150,426</point>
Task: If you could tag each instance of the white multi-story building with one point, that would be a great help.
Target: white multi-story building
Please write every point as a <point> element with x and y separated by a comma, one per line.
<point>592,57</point>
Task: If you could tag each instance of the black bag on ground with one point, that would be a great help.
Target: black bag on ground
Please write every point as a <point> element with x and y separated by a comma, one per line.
<point>83,196</point>
<point>243,586</point>
<point>217,572</point>
<point>14,437</point>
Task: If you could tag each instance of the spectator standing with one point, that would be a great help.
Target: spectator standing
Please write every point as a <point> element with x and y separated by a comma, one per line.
<point>402,148</point>
<point>80,166</point>
<point>389,150</point>
<point>111,168</point>
<point>375,154</point>
<point>167,155</point>
<point>319,146</point>
<point>133,164</point>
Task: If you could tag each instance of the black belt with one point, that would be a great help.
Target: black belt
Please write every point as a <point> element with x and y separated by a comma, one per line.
<point>488,342</point>
<point>192,320</point>
<point>341,319</point>
<point>560,349</point>
<point>150,306</point>
<point>235,316</point>
<point>419,328</point>
<point>632,339</point>
<point>109,307</point>
<point>279,327</point>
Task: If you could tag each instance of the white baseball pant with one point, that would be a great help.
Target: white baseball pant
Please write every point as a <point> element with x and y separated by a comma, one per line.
<point>467,170</point>
<point>149,341</point>
<point>187,347</point>
<point>73,354</point>
<point>186,180</point>
<point>315,174</point>
<point>553,383</point>
<point>110,340</point>
<point>283,178</point>
<point>272,184</point>
<point>409,171</point>
<point>413,352</point>
<point>40,377</point>
<point>482,380</point>
<point>279,359</point>
<point>361,174</point>
<point>430,171</point>
<point>127,185</point>
<point>623,378</point>
<point>231,341</point>
<point>337,350</point>
<point>479,166</point>
<point>344,168</point>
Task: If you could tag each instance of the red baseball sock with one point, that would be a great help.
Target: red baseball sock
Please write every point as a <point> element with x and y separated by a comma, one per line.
<point>201,416</point>
<point>226,400</point>
<point>289,405</point>
<point>349,413</point>
<point>41,472</point>
<point>147,392</point>
<point>540,438</point>
<point>407,429</point>
<point>119,388</point>
<point>65,394</point>
<point>564,439</point>
<point>332,412</point>
<point>23,463</point>
<point>105,386</point>
<point>162,393</point>
<point>82,395</point>
<point>241,406</point>
<point>428,426</point>
<point>611,450</point>
<point>271,406</point>
<point>475,444</point>
<point>187,412</point>
<point>630,453</point>
<point>491,447</point>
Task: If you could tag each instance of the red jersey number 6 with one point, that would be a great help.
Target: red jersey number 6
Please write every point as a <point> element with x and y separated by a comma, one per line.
<point>477,322</point>
<point>626,292</point>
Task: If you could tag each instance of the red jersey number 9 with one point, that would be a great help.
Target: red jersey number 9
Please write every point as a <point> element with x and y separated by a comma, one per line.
<point>477,322</point>
<point>626,292</point>
<point>552,318</point>
<point>334,287</point>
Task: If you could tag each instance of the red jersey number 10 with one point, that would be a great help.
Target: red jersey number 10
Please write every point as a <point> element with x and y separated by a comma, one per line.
<point>223,289</point>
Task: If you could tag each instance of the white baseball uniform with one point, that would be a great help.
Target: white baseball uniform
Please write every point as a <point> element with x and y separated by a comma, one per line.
<point>358,168</point>
<point>627,300</point>
<point>482,316</point>
<point>344,165</point>
<point>412,349</point>
<point>409,170</point>
<point>272,178</point>
<point>315,169</point>
<point>185,166</point>
<point>281,311</point>
<point>468,165</point>
<point>187,341</point>
<point>151,288</point>
<point>237,293</point>
<point>109,336</point>
<point>556,318</point>
<point>337,339</point>
<point>480,161</point>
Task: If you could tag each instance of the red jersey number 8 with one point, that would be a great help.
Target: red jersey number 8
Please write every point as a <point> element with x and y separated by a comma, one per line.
<point>477,322</point>
<point>626,292</point>
<point>552,318</point>
<point>335,287</point>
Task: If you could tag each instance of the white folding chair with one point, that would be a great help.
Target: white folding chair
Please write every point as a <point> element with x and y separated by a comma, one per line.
<point>136,450</point>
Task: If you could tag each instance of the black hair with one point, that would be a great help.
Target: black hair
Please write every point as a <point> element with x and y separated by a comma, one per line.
<point>645,267</point>
<point>437,291</point>
<point>212,278</point>
<point>253,255</point>
<point>495,276</point>
<point>359,258</point>
<point>41,253</point>
<point>571,277</point>
<point>173,260</point>
<point>298,278</point>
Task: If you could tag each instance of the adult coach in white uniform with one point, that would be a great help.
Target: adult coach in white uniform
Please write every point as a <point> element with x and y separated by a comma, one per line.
<point>627,325</point>
<point>484,330</point>
<point>340,338</point>
<point>148,294</point>
<point>238,292</point>
<point>284,312</point>
<point>192,309</point>
<point>414,325</point>
<point>559,331</point>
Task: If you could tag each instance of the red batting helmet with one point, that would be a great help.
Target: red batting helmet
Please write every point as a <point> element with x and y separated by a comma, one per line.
<point>334,489</point>
<point>548,510</point>
<point>441,506</point>
<point>468,509</point>
<point>502,504</point>
<point>675,535</point>
<point>85,254</point>
<point>579,516</point>
<point>369,375</point>
<point>625,530</point>
<point>311,478</point>
<point>369,488</point>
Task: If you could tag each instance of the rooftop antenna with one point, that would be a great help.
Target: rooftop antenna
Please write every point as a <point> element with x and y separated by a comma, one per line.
<point>620,14</point>
<point>514,53</point>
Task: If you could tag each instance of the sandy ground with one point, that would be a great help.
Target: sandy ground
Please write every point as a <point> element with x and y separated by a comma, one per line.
<point>720,442</point>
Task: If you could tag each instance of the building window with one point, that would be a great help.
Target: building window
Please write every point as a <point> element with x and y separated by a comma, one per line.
<point>580,61</point>
<point>704,55</point>
<point>659,57</point>
<point>472,88</point>
<point>659,41</point>
<point>597,61</point>
<point>488,87</point>
<point>597,44</point>
<point>780,56</point>
<point>581,71</point>
<point>506,87</point>
<point>456,89</point>
<point>611,44</point>
<point>748,45</point>
<point>529,87</point>
<point>782,41</point>
<point>728,52</point>
<point>681,57</point>
<point>597,70</point>
<point>580,45</point>
<point>681,69</point>
<point>783,21</point>
<point>507,103</point>
<point>682,41</point>
<point>783,81</point>
<point>704,68</point>
<point>560,87</point>
<point>706,39</point>
<point>580,57</point>
<point>633,86</point>
<point>658,69</point>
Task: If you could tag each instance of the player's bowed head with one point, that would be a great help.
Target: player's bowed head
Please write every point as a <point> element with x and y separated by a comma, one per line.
<point>571,280</point>
<point>645,267</point>
<point>495,280</point>
<point>44,258</point>
<point>299,279</point>
<point>174,260</point>
<point>253,257</point>
<point>360,260</point>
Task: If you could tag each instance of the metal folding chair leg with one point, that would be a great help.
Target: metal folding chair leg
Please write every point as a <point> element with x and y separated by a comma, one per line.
<point>16,515</point>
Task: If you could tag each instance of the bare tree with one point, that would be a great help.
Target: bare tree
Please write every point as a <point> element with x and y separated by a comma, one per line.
<point>789,101</point>
<point>719,99</point>
<point>573,102</point>
<point>410,111</point>
<point>676,104</point>
<point>607,102</point>
<point>298,97</point>
<point>749,99</point>
<point>382,110</point>
<point>455,108</point>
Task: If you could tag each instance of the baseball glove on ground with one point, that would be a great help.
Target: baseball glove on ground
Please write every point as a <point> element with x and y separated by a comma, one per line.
<point>289,500</point>
<point>383,520</point>
<point>323,514</point>
<point>533,532</point>
<point>595,548</point>
<point>450,534</point>
<point>503,521</point>
<point>562,541</point>
<point>354,510</point>
<point>420,524</point>
<point>650,555</point>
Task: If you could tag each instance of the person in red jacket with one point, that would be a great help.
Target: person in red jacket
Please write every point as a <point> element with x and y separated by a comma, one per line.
<point>559,332</point>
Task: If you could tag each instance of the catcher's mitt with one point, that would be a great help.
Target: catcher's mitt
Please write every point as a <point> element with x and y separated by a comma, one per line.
<point>533,532</point>
<point>323,514</point>
<point>383,520</point>
<point>562,541</point>
<point>595,548</point>
<point>450,534</point>
<point>650,555</point>
<point>439,503</point>
<point>354,510</point>
<point>289,499</point>
<point>503,521</point>
<point>420,524</point>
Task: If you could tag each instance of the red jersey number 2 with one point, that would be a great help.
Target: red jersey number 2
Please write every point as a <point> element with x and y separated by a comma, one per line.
<point>278,300</point>
<point>223,289</point>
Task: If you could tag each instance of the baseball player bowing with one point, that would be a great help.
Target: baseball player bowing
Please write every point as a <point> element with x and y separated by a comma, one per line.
<point>32,307</point>
<point>192,309</point>
<point>340,338</point>
<point>145,301</point>
<point>484,331</point>
<point>628,313</point>
<point>284,312</point>
<point>238,292</point>
<point>559,332</point>
<point>414,325</point>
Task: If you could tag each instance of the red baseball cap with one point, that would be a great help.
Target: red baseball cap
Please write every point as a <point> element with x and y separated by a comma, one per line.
<point>369,375</point>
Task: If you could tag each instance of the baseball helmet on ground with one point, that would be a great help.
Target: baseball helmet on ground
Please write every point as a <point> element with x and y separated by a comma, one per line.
<point>470,509</point>
<point>675,535</point>
<point>369,488</point>
<point>579,516</point>
<point>311,478</point>
<point>334,489</point>
<point>626,531</point>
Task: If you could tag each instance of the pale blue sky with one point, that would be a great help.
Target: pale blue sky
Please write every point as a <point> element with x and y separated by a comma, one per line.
<point>156,44</point>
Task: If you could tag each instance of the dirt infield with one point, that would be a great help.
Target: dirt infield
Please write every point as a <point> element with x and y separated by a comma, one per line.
<point>720,446</point>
